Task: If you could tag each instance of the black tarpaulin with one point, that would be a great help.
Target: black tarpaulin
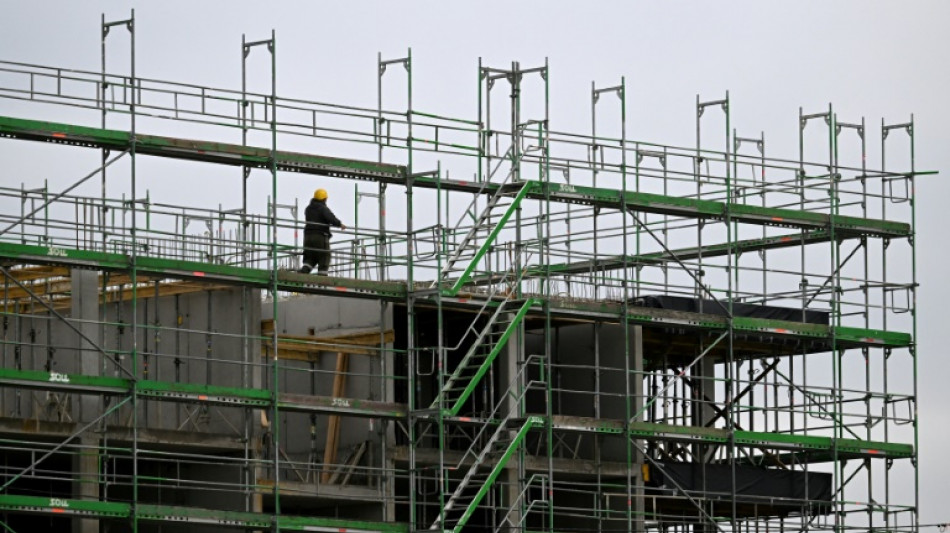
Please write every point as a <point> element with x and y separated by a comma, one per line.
<point>790,489</point>
<point>712,307</point>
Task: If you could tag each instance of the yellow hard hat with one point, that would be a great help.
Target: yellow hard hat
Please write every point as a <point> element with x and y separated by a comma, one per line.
<point>320,194</point>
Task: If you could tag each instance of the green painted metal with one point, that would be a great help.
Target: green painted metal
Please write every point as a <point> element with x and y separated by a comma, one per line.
<point>204,393</point>
<point>397,290</point>
<point>486,364</point>
<point>231,154</point>
<point>531,423</point>
<point>306,163</point>
<point>486,245</point>
<point>873,337</point>
<point>38,379</point>
<point>685,254</point>
<point>196,393</point>
<point>14,503</point>
<point>195,270</point>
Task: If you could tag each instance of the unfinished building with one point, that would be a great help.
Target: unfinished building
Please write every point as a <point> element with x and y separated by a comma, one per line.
<point>535,330</point>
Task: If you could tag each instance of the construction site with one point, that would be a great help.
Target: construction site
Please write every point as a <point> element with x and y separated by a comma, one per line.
<point>522,329</point>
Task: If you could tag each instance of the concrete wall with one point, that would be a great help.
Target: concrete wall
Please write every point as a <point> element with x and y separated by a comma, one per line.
<point>187,338</point>
<point>304,437</point>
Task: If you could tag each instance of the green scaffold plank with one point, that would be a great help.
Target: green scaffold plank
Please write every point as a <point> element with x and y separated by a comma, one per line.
<point>197,393</point>
<point>63,506</point>
<point>307,163</point>
<point>303,523</point>
<point>195,270</point>
<point>678,433</point>
<point>230,154</point>
<point>192,515</point>
<point>37,379</point>
<point>683,254</point>
<point>204,393</point>
<point>692,207</point>
<point>824,444</point>
<point>874,337</point>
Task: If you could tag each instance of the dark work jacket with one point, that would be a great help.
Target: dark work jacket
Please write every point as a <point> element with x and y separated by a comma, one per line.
<point>319,218</point>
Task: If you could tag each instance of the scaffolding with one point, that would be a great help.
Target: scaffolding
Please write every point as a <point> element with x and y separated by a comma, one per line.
<point>585,332</point>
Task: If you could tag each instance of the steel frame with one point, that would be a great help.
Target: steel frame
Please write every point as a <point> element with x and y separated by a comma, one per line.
<point>558,257</point>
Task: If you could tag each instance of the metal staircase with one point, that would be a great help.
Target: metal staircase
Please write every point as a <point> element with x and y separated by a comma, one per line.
<point>485,469</point>
<point>476,362</point>
<point>488,224</point>
<point>525,505</point>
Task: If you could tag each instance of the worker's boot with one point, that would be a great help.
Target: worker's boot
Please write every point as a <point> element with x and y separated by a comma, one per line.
<point>305,269</point>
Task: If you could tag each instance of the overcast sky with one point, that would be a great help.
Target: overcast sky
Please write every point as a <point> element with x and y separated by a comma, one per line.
<point>868,58</point>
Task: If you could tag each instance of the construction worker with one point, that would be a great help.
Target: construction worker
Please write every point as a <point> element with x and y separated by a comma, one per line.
<point>316,234</point>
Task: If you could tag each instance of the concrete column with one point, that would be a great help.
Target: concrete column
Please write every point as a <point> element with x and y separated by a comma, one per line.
<point>635,337</point>
<point>87,361</point>
<point>508,368</point>
<point>84,312</point>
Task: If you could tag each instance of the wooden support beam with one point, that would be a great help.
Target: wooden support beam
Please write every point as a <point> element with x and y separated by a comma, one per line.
<point>61,299</point>
<point>333,425</point>
<point>309,347</point>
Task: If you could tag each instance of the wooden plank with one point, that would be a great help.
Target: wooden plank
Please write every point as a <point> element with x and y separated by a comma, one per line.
<point>333,426</point>
<point>308,347</point>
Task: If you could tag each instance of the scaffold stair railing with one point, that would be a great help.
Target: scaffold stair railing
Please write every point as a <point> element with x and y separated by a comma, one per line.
<point>525,505</point>
<point>492,219</point>
<point>481,476</point>
<point>476,362</point>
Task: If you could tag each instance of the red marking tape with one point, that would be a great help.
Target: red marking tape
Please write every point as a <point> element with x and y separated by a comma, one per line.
<point>202,397</point>
<point>778,219</point>
<point>781,330</point>
<point>59,135</point>
<point>199,274</point>
<point>58,510</point>
<point>343,289</point>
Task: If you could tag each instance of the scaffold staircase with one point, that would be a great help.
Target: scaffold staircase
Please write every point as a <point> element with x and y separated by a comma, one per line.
<point>489,222</point>
<point>476,362</point>
<point>485,469</point>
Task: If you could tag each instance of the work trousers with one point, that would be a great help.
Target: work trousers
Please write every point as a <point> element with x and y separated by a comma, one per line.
<point>316,252</point>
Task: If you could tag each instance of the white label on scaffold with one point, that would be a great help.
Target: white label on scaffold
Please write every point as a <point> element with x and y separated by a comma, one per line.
<point>58,378</point>
<point>57,502</point>
<point>340,402</point>
<point>56,252</point>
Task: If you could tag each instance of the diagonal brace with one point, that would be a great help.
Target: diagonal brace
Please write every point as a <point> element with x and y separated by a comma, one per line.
<point>678,260</point>
<point>65,442</point>
<point>678,376</point>
<point>65,321</point>
<point>60,195</point>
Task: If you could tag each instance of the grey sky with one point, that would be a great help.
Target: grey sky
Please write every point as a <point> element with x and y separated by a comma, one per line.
<point>873,59</point>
